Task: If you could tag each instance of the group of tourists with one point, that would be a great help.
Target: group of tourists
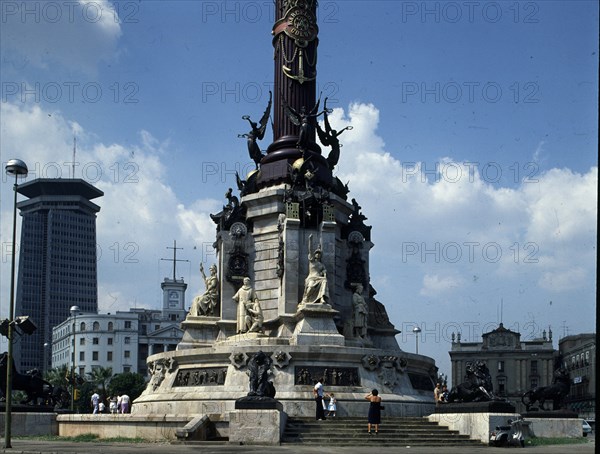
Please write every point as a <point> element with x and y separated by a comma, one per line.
<point>440,394</point>
<point>375,407</point>
<point>116,404</point>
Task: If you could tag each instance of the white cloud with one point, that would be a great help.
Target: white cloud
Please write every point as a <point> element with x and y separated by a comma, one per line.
<point>76,35</point>
<point>140,214</point>
<point>435,285</point>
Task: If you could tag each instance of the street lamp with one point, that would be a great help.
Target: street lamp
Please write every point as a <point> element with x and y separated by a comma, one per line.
<point>73,310</point>
<point>17,168</point>
<point>417,330</point>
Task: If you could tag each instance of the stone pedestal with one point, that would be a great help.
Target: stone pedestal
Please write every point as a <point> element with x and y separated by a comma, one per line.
<point>556,427</point>
<point>477,426</point>
<point>198,332</point>
<point>315,326</point>
<point>256,426</point>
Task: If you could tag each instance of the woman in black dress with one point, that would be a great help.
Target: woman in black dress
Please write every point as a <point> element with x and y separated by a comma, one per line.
<point>374,410</point>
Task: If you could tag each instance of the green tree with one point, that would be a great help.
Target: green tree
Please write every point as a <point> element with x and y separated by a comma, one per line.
<point>57,376</point>
<point>130,383</point>
<point>101,377</point>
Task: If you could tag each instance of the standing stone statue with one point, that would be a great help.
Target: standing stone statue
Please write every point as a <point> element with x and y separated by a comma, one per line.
<point>316,289</point>
<point>258,369</point>
<point>361,311</point>
<point>206,303</point>
<point>245,297</point>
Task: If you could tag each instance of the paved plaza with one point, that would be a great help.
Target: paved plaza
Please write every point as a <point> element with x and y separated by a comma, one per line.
<point>60,447</point>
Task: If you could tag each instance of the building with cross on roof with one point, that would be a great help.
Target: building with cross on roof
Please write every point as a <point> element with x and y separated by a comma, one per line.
<point>122,340</point>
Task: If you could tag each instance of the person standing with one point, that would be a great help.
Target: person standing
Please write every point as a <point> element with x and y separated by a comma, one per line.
<point>124,403</point>
<point>437,393</point>
<point>374,416</point>
<point>318,393</point>
<point>332,406</point>
<point>95,400</point>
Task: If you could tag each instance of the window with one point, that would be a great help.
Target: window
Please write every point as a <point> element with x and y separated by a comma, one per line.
<point>128,340</point>
<point>82,341</point>
<point>127,324</point>
<point>126,369</point>
<point>500,366</point>
<point>108,356</point>
<point>156,327</point>
<point>534,383</point>
<point>95,340</point>
<point>534,367</point>
<point>127,354</point>
<point>96,326</point>
<point>82,326</point>
<point>94,356</point>
<point>81,356</point>
<point>110,326</point>
<point>501,386</point>
<point>173,317</point>
<point>109,341</point>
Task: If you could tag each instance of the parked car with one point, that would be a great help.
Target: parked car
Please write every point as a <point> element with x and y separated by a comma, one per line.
<point>586,427</point>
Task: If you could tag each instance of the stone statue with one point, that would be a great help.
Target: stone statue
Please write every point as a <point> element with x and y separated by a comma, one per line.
<point>329,138</point>
<point>246,297</point>
<point>205,304</point>
<point>477,387</point>
<point>258,369</point>
<point>360,312</point>
<point>305,120</point>
<point>561,385</point>
<point>257,133</point>
<point>316,289</point>
<point>254,319</point>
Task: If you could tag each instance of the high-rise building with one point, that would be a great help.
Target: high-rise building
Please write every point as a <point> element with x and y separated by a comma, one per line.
<point>57,261</point>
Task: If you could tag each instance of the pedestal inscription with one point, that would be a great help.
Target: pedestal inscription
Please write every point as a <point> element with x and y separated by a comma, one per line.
<point>201,376</point>
<point>340,376</point>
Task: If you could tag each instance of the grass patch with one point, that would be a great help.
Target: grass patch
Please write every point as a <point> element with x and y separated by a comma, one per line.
<point>534,441</point>
<point>85,438</point>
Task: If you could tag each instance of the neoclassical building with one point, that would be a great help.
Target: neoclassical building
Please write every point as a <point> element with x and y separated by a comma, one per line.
<point>515,365</point>
<point>578,353</point>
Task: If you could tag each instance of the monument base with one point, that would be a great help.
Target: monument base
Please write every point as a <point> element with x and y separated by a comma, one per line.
<point>315,326</point>
<point>556,427</point>
<point>476,407</point>
<point>477,426</point>
<point>198,332</point>
<point>256,427</point>
<point>258,403</point>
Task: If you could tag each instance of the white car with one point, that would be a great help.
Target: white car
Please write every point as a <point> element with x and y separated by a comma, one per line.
<point>586,427</point>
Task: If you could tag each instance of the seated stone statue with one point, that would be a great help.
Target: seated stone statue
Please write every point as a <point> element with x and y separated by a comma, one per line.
<point>316,288</point>
<point>206,304</point>
<point>255,317</point>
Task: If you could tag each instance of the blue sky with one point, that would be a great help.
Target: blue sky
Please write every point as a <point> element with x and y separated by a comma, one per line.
<point>499,97</point>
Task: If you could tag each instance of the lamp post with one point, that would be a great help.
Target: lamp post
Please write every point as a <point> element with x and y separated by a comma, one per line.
<point>73,310</point>
<point>17,168</point>
<point>417,330</point>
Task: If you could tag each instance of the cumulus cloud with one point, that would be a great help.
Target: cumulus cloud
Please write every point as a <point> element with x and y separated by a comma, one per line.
<point>140,214</point>
<point>76,35</point>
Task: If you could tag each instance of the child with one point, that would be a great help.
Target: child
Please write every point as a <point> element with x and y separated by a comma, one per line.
<point>331,408</point>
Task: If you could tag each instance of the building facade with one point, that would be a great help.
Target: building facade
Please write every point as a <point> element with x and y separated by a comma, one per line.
<point>515,365</point>
<point>121,341</point>
<point>57,261</point>
<point>578,354</point>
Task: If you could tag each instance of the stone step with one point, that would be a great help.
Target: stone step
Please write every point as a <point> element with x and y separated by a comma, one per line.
<point>352,431</point>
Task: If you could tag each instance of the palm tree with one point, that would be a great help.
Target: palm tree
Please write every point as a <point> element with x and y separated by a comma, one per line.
<point>58,376</point>
<point>101,377</point>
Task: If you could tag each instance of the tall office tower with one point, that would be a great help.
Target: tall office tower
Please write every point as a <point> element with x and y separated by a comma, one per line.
<point>57,261</point>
